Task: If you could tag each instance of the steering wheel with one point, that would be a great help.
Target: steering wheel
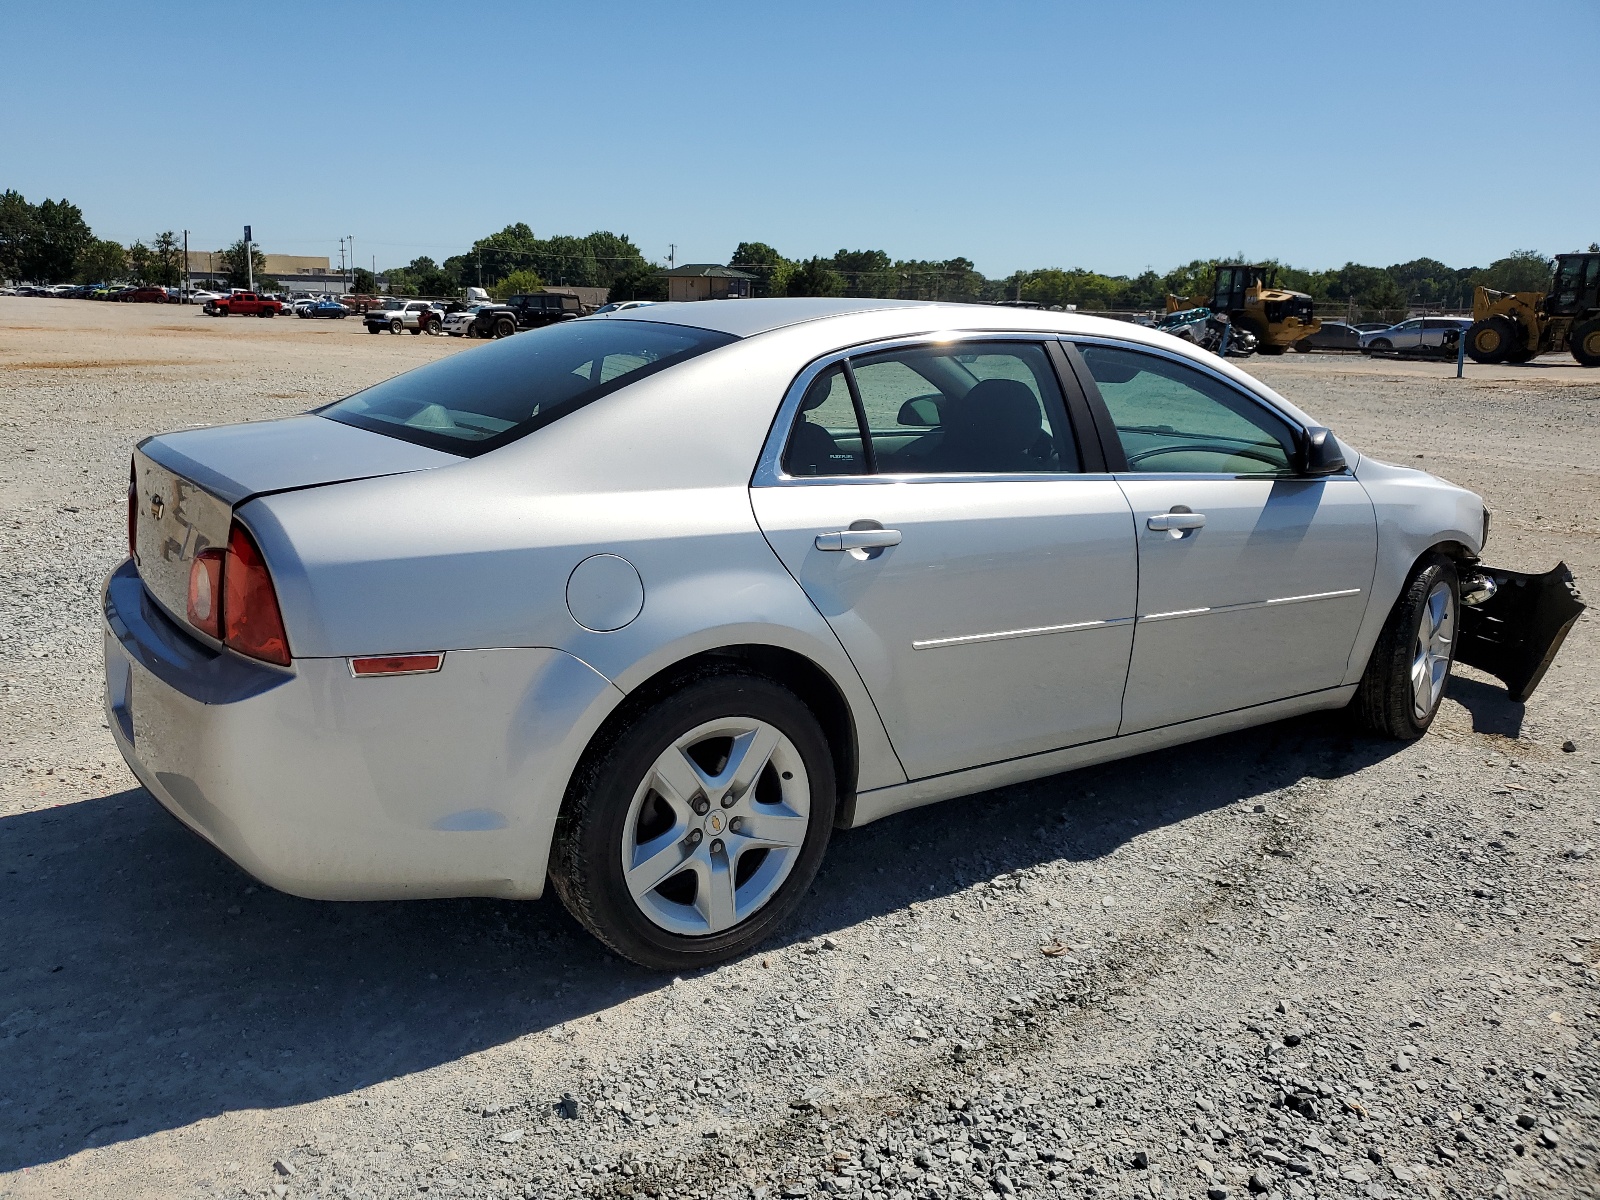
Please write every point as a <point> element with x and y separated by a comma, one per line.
<point>1208,448</point>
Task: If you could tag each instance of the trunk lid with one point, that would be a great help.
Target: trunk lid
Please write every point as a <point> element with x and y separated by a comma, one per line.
<point>188,484</point>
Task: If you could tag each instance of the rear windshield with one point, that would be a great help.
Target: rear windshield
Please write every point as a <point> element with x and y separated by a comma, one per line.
<point>481,399</point>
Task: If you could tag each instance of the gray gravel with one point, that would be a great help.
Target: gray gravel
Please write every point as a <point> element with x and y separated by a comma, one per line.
<point>1290,962</point>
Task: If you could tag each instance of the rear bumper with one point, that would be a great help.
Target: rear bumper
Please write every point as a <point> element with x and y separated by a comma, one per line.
<point>335,788</point>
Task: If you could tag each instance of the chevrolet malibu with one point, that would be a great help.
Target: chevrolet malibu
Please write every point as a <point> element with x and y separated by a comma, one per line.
<point>649,604</point>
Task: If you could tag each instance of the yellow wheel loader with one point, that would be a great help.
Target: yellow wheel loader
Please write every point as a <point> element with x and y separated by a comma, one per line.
<point>1251,297</point>
<point>1516,326</point>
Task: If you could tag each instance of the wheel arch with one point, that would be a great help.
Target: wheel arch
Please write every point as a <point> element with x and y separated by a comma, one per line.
<point>788,668</point>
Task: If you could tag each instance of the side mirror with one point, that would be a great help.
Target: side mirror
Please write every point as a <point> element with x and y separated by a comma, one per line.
<point>921,412</point>
<point>1320,453</point>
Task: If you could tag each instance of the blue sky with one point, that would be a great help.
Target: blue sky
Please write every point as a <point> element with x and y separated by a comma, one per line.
<point>1112,137</point>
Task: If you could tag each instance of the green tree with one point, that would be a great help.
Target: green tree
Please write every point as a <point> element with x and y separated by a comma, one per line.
<point>769,267</point>
<point>643,282</point>
<point>139,263</point>
<point>815,277</point>
<point>424,277</point>
<point>16,233</point>
<point>1520,271</point>
<point>363,282</point>
<point>167,256</point>
<point>102,261</point>
<point>50,241</point>
<point>236,266</point>
<point>867,273</point>
<point>517,283</point>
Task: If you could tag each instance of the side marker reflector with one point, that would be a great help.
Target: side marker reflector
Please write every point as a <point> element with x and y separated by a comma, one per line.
<point>396,664</point>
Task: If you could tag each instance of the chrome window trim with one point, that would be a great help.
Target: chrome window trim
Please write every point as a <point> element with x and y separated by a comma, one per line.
<point>769,467</point>
<point>1205,368</point>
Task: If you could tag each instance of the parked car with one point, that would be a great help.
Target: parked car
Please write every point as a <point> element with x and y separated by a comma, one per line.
<point>605,604</point>
<point>537,309</point>
<point>144,295</point>
<point>397,316</point>
<point>247,304</point>
<point>356,302</point>
<point>1370,326</point>
<point>621,306</point>
<point>324,307</point>
<point>464,322</point>
<point>1419,335</point>
<point>201,296</point>
<point>1334,335</point>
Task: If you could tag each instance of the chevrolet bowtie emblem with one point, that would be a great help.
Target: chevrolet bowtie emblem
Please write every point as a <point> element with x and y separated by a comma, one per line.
<point>157,507</point>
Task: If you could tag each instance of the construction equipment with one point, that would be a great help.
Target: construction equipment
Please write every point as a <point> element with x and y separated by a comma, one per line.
<point>1516,326</point>
<point>1250,295</point>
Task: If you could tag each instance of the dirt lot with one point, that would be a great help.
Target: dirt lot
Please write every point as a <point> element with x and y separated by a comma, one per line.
<point>1293,961</point>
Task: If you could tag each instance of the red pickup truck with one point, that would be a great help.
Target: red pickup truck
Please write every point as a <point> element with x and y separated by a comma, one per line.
<point>246,304</point>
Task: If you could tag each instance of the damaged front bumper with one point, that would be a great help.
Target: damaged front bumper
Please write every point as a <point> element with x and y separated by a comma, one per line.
<point>1516,624</point>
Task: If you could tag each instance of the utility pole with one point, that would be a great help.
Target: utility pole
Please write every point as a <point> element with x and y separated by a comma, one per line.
<point>672,255</point>
<point>350,277</point>
<point>184,289</point>
<point>249,259</point>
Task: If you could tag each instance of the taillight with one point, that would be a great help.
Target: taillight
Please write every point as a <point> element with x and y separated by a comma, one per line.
<point>205,592</point>
<point>251,620</point>
<point>133,512</point>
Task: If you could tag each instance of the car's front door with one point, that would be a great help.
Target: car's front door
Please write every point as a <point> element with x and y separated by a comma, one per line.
<point>981,581</point>
<point>1252,579</point>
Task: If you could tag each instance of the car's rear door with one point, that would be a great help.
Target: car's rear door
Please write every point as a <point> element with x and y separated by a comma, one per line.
<point>989,596</point>
<point>1252,579</point>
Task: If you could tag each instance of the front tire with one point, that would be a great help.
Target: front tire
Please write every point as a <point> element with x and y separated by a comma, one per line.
<point>396,325</point>
<point>1380,346</point>
<point>1404,682</point>
<point>1585,342</point>
<point>504,327</point>
<point>694,832</point>
<point>1492,340</point>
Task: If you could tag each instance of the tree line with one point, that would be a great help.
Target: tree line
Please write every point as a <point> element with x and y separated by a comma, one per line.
<point>50,242</point>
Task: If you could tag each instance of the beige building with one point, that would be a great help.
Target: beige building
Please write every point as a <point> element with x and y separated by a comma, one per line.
<point>294,272</point>
<point>708,281</point>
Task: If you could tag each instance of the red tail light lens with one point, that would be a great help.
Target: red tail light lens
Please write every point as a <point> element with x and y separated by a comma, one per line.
<point>251,620</point>
<point>133,512</point>
<point>205,592</point>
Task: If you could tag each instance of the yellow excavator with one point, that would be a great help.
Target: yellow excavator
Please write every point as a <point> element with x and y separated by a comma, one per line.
<point>1516,326</point>
<point>1250,295</point>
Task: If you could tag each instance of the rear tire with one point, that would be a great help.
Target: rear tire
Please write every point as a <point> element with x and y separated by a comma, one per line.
<point>1585,342</point>
<point>1303,346</point>
<point>1404,682</point>
<point>1380,346</point>
<point>1492,340</point>
<point>618,810</point>
<point>504,327</point>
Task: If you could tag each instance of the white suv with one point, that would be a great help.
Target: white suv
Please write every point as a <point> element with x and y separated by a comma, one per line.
<point>419,316</point>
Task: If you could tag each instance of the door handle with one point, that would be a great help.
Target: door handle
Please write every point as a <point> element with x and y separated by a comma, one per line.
<point>1176,521</point>
<point>858,539</point>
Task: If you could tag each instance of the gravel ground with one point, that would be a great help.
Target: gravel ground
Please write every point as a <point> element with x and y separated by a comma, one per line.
<point>1294,961</point>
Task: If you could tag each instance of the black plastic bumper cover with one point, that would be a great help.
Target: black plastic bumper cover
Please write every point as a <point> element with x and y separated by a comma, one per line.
<point>1515,635</point>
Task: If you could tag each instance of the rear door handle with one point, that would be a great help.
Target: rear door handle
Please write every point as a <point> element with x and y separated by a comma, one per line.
<point>1176,521</point>
<point>858,539</point>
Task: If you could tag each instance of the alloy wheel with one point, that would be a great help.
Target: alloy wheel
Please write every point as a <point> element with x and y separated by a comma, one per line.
<point>716,826</point>
<point>1431,655</point>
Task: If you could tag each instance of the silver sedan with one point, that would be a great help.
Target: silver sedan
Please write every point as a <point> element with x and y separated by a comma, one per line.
<point>649,604</point>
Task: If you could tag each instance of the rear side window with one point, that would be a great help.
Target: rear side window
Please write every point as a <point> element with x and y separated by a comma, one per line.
<point>991,408</point>
<point>484,398</point>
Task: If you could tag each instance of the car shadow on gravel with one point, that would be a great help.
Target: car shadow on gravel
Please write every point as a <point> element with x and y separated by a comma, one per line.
<point>147,983</point>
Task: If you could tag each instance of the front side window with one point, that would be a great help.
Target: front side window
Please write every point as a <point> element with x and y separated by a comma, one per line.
<point>1173,417</point>
<point>481,399</point>
<point>991,408</point>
